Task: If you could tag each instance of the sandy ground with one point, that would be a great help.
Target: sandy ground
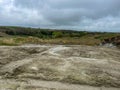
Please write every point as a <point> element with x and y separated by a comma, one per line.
<point>59,67</point>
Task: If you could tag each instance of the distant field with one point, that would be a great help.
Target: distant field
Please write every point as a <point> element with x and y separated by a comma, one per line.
<point>21,35</point>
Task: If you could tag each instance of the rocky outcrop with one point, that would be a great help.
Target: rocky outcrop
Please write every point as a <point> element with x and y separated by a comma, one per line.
<point>114,40</point>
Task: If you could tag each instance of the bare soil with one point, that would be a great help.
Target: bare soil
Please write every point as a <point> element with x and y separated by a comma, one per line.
<point>59,67</point>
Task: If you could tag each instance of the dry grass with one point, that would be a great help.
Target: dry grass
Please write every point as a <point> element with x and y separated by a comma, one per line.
<point>35,40</point>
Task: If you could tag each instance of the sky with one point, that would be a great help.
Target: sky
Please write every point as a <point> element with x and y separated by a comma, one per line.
<point>86,15</point>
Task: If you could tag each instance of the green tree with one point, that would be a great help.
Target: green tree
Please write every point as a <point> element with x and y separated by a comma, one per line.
<point>57,34</point>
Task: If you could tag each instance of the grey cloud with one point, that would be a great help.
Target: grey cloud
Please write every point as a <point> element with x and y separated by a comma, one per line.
<point>69,11</point>
<point>30,4</point>
<point>69,14</point>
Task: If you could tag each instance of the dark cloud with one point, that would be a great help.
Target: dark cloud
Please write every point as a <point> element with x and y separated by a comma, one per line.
<point>30,4</point>
<point>102,15</point>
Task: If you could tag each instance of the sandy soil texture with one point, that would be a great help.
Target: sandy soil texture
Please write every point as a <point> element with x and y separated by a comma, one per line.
<point>59,67</point>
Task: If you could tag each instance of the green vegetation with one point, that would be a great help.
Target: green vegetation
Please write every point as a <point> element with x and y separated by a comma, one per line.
<point>57,34</point>
<point>41,33</point>
<point>10,35</point>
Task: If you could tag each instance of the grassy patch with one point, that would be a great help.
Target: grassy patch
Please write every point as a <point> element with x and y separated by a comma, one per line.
<point>34,40</point>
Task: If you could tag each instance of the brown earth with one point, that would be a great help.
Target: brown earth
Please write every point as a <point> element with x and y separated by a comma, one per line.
<point>114,40</point>
<point>59,67</point>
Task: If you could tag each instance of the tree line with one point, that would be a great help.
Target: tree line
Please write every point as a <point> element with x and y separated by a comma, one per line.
<point>41,33</point>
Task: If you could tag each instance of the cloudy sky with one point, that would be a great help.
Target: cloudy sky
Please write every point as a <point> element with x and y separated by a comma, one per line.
<point>90,15</point>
